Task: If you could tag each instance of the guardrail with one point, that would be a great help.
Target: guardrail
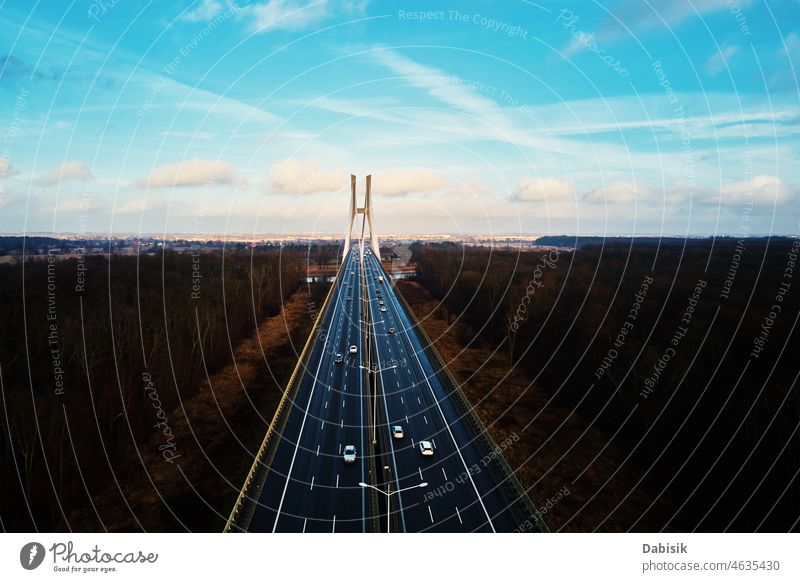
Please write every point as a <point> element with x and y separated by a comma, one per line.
<point>513,492</point>
<point>239,518</point>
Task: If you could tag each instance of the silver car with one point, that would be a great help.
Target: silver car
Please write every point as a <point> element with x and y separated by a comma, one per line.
<point>350,454</point>
<point>397,431</point>
<point>426,448</point>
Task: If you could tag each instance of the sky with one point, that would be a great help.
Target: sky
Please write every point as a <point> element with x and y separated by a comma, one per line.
<point>665,117</point>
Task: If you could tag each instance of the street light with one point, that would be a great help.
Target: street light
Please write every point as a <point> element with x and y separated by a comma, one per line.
<point>388,493</point>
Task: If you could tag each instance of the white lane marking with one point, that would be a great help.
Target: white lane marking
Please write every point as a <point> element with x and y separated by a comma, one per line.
<point>334,525</point>
<point>341,425</point>
<point>302,426</point>
<point>433,442</point>
<point>406,418</point>
<point>458,513</point>
<point>326,403</point>
<point>453,438</point>
<point>318,450</point>
<point>337,480</point>
<point>312,483</point>
<point>321,426</point>
<point>340,448</point>
<point>445,474</point>
<point>401,400</point>
<point>420,473</point>
<point>342,403</point>
<point>412,442</point>
<point>431,513</point>
<point>425,418</point>
<point>418,400</point>
<point>305,521</point>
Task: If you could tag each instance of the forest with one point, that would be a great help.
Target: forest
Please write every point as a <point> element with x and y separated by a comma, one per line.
<point>98,353</point>
<point>682,352</point>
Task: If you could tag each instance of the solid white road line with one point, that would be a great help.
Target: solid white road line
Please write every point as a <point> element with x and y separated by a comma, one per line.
<point>302,425</point>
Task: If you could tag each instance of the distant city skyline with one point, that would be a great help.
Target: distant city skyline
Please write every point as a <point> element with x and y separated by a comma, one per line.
<point>516,118</point>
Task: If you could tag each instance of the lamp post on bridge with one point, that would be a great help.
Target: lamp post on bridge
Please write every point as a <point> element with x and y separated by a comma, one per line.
<point>388,493</point>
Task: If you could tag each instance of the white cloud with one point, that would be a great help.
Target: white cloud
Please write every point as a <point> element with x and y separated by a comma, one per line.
<point>541,189</point>
<point>631,18</point>
<point>305,177</point>
<point>193,172</point>
<point>619,192</point>
<point>401,181</point>
<point>207,10</point>
<point>295,15</point>
<point>761,189</point>
<point>68,171</point>
<point>719,60</point>
<point>6,169</point>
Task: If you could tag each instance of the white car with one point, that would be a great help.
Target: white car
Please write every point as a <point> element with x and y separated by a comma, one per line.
<point>339,359</point>
<point>397,431</point>
<point>426,448</point>
<point>383,308</point>
<point>350,454</point>
<point>353,350</point>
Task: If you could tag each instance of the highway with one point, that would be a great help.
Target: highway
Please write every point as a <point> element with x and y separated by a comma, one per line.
<point>307,485</point>
<point>414,397</point>
<point>309,488</point>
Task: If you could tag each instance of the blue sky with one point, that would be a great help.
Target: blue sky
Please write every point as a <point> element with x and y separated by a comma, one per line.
<point>216,116</point>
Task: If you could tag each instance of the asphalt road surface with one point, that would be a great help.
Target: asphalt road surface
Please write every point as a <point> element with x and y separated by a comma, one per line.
<point>310,488</point>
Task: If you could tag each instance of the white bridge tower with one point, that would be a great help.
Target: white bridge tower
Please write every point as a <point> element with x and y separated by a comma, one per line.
<point>366,210</point>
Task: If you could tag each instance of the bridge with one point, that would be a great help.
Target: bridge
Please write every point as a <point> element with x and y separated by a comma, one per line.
<point>373,433</point>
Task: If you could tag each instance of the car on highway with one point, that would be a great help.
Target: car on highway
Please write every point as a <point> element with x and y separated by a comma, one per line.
<point>349,298</point>
<point>338,359</point>
<point>353,350</point>
<point>383,308</point>
<point>426,448</point>
<point>397,431</point>
<point>350,454</point>
<point>380,302</point>
<point>390,331</point>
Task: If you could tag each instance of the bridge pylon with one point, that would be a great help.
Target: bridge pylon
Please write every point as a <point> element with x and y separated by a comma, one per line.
<point>367,220</point>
